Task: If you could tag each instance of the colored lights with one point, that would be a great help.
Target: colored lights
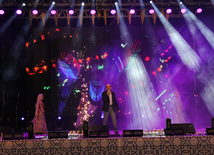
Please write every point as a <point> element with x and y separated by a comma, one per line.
<point>22,118</point>
<point>18,12</point>
<point>93,12</point>
<point>199,10</point>
<point>169,11</point>
<point>132,11</point>
<point>59,118</point>
<point>183,10</point>
<point>151,11</point>
<point>113,11</point>
<point>1,12</point>
<point>83,3</point>
<point>35,12</point>
<point>53,12</point>
<point>71,12</point>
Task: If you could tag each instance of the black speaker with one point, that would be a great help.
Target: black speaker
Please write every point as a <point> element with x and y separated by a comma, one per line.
<point>212,123</point>
<point>85,129</point>
<point>30,130</point>
<point>210,131</point>
<point>15,135</point>
<point>188,128</point>
<point>57,134</point>
<point>168,123</point>
<point>94,134</point>
<point>132,133</point>
<point>95,128</point>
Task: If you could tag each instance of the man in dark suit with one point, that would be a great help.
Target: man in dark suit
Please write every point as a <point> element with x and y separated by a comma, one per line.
<point>109,104</point>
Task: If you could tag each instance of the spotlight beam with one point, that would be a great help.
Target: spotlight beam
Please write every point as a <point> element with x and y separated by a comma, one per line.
<point>186,53</point>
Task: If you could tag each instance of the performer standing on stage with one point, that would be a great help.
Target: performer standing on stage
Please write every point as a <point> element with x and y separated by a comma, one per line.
<point>109,104</point>
<point>39,123</point>
<point>85,110</point>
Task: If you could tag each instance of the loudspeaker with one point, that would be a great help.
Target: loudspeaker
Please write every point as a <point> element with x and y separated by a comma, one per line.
<point>94,134</point>
<point>171,132</point>
<point>85,129</point>
<point>188,128</point>
<point>168,123</point>
<point>212,122</point>
<point>132,133</point>
<point>16,135</point>
<point>30,130</point>
<point>58,134</point>
<point>210,131</point>
<point>95,128</point>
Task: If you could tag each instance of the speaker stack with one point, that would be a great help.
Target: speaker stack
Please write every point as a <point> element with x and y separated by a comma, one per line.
<point>210,131</point>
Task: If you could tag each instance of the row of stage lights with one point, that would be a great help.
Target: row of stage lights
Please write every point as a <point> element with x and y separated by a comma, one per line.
<point>93,11</point>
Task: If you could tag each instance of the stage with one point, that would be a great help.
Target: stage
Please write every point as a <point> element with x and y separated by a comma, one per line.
<point>189,144</point>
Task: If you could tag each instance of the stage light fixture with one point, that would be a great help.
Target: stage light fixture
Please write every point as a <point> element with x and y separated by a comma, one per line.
<point>151,2</point>
<point>35,12</point>
<point>93,12</point>
<point>22,118</point>
<point>132,11</point>
<point>1,12</point>
<point>83,3</point>
<point>113,11</point>
<point>116,3</point>
<point>53,3</point>
<point>71,12</point>
<point>18,12</point>
<point>168,11</point>
<point>183,10</point>
<point>53,12</point>
<point>151,11</point>
<point>181,3</point>
<point>59,118</point>
<point>199,10</point>
<point>23,4</point>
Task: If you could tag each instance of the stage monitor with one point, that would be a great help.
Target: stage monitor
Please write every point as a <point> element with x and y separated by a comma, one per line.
<point>188,128</point>
<point>132,133</point>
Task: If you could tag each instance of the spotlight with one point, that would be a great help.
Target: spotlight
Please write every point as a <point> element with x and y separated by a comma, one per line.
<point>18,12</point>
<point>22,118</point>
<point>116,3</point>
<point>132,11</point>
<point>53,3</point>
<point>151,11</point>
<point>169,11</point>
<point>151,2</point>
<point>53,12</point>
<point>113,11</point>
<point>23,4</point>
<point>71,12</point>
<point>35,12</point>
<point>1,12</point>
<point>181,3</point>
<point>199,10</point>
<point>93,12</point>
<point>83,3</point>
<point>59,117</point>
<point>183,10</point>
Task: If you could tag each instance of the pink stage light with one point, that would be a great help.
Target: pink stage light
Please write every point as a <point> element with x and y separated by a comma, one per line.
<point>53,12</point>
<point>151,11</point>
<point>183,10</point>
<point>18,12</point>
<point>71,12</point>
<point>199,10</point>
<point>132,11</point>
<point>169,11</point>
<point>113,11</point>
<point>1,12</point>
<point>93,12</point>
<point>35,12</point>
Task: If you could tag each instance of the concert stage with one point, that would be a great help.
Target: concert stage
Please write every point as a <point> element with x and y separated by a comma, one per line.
<point>190,144</point>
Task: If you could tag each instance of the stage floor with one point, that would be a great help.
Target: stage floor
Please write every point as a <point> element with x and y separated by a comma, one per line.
<point>188,144</point>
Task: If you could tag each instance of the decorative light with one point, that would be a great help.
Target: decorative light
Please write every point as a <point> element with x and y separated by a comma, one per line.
<point>132,11</point>
<point>35,12</point>
<point>183,10</point>
<point>199,10</point>
<point>151,11</point>
<point>71,12</point>
<point>18,12</point>
<point>168,11</point>
<point>1,12</point>
<point>113,11</point>
<point>93,12</point>
<point>53,12</point>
